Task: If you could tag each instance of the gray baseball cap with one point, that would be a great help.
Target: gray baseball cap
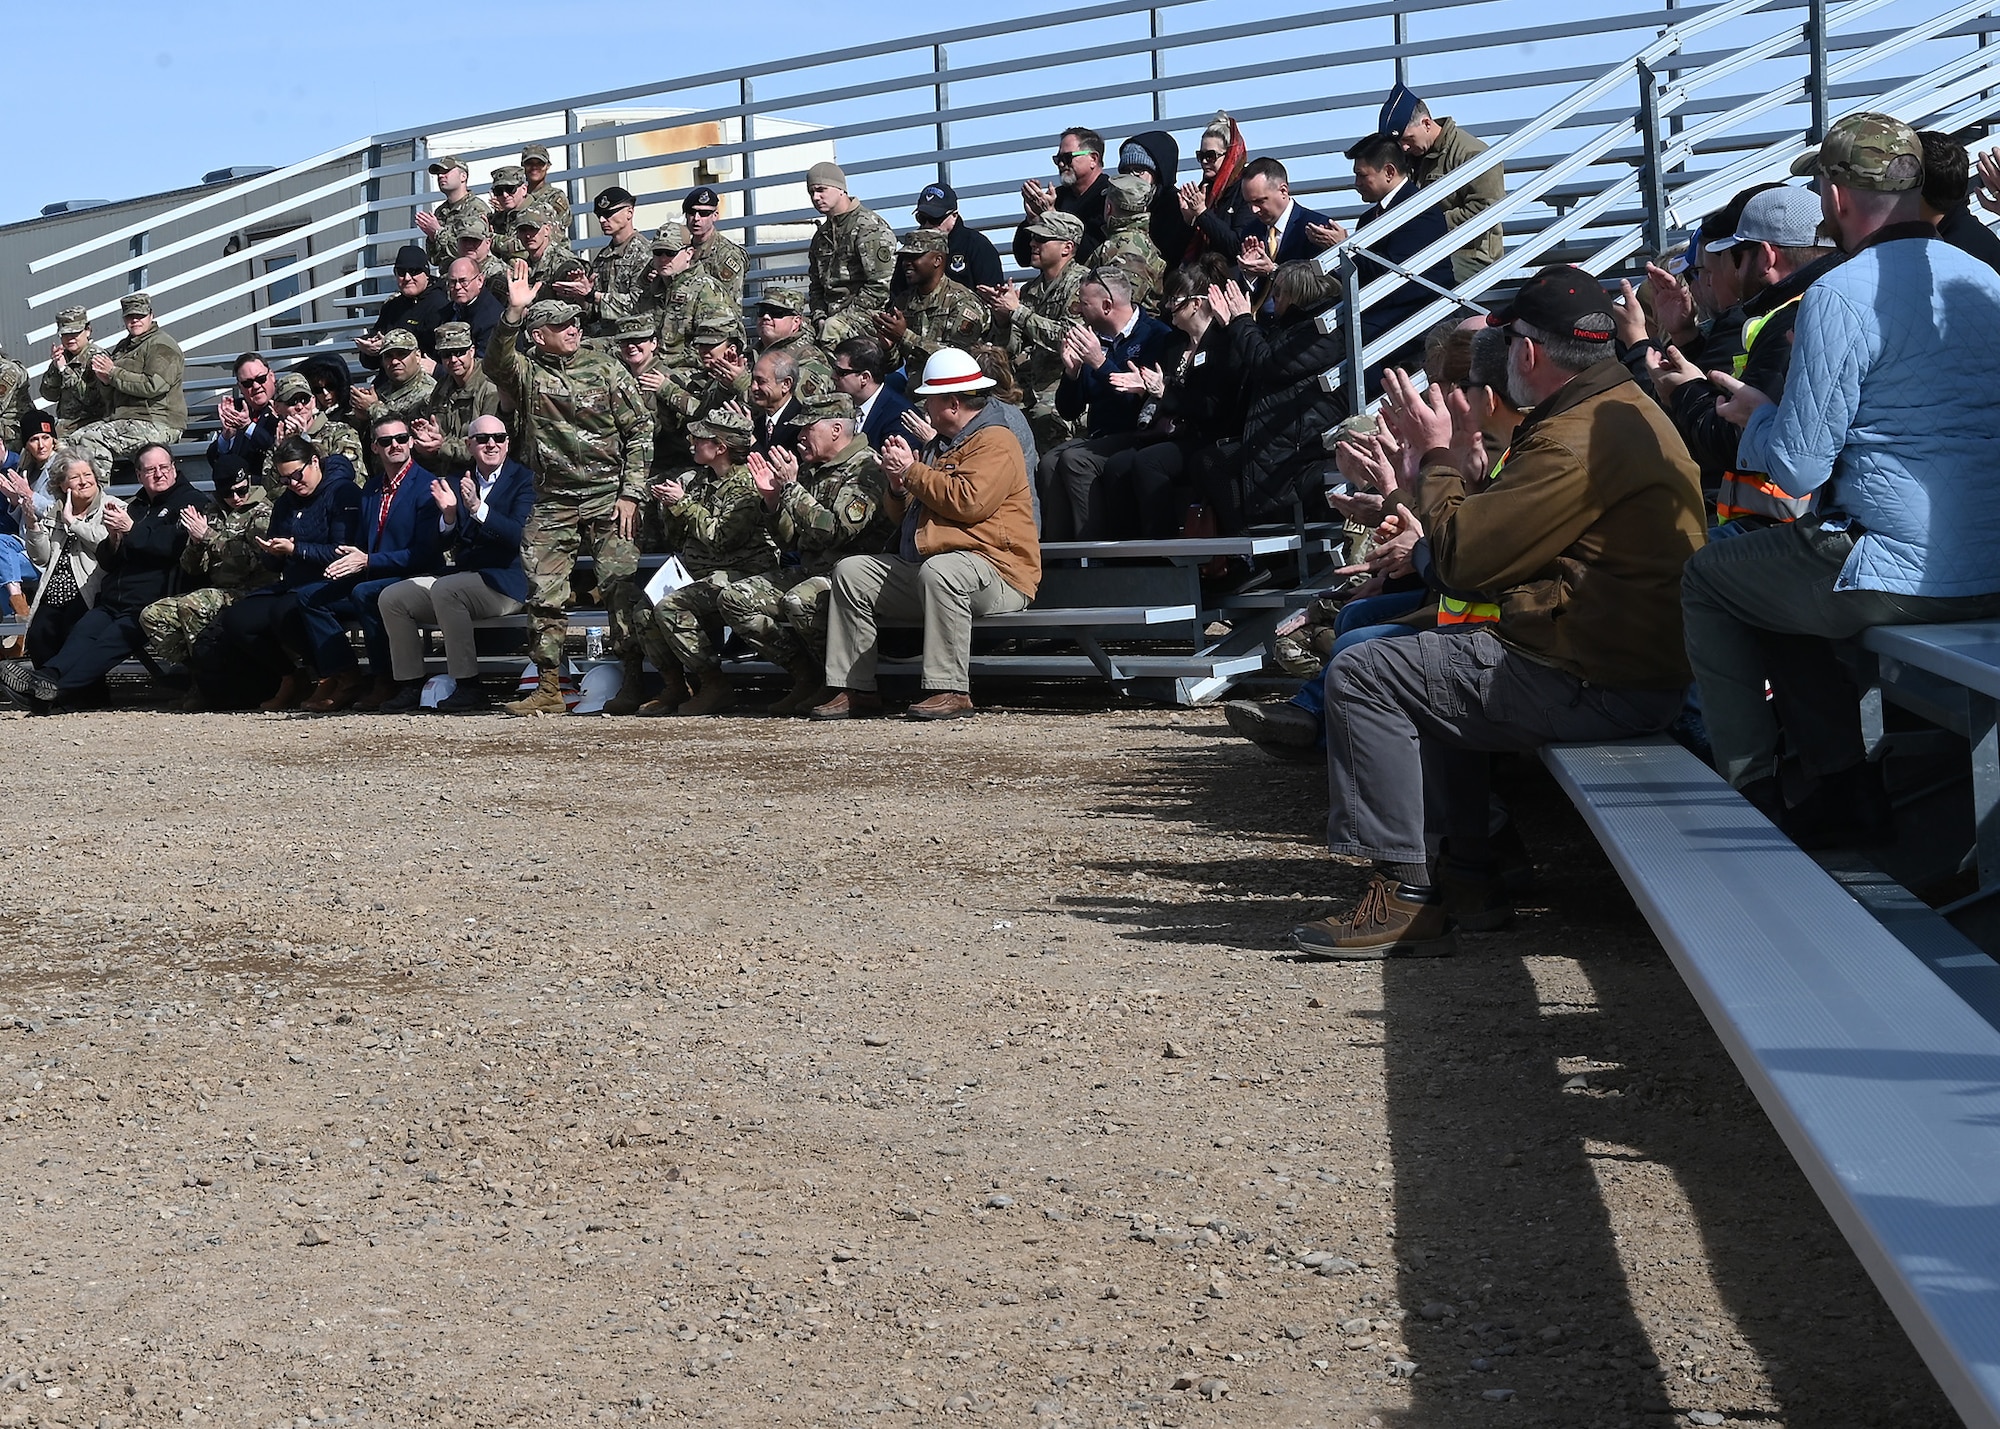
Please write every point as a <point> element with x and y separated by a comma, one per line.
<point>1786,217</point>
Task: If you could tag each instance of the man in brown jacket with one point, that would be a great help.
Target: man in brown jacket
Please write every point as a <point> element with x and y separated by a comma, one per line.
<point>1563,577</point>
<point>966,546</point>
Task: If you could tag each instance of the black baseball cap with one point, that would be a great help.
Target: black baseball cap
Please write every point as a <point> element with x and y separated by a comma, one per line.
<point>1561,301</point>
<point>703,197</point>
<point>936,201</point>
<point>613,199</point>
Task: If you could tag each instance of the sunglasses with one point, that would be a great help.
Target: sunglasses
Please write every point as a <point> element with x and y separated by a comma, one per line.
<point>301,400</point>
<point>839,372</point>
<point>490,438</point>
<point>401,441</point>
<point>1063,161</point>
<point>700,212</point>
<point>258,381</point>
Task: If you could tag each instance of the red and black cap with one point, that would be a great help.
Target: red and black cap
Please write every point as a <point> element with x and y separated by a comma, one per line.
<point>1561,301</point>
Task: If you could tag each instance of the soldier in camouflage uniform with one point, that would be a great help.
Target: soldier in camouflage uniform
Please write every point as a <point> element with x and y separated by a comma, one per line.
<point>535,167</point>
<point>508,195</point>
<point>637,346</point>
<point>475,245</point>
<point>66,383</point>
<point>715,255</point>
<point>300,416</point>
<point>451,217</point>
<point>221,559</point>
<point>1030,323</point>
<point>678,297</point>
<point>608,293</point>
<point>719,376</point>
<point>782,327</point>
<point>587,431</point>
<point>1129,242</point>
<point>17,400</point>
<point>935,312</point>
<point>405,389</point>
<point>142,379</point>
<point>852,258</point>
<point>715,522</point>
<point>463,392</point>
<point>832,507</point>
<point>544,249</point>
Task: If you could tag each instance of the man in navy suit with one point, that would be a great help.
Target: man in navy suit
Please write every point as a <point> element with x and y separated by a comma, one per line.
<point>399,531</point>
<point>1382,177</point>
<point>859,365</point>
<point>480,520</point>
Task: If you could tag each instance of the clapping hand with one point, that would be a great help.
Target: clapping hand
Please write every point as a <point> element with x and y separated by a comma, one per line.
<point>1005,298</point>
<point>1149,380</point>
<point>1229,301</point>
<point>426,437</point>
<point>1628,319</point>
<point>1419,421</point>
<point>1326,235</point>
<point>916,426</point>
<point>668,493</point>
<point>1670,371</point>
<point>652,381</point>
<point>194,523</point>
<point>347,561</point>
<point>1081,349</point>
<point>1673,304</point>
<point>1988,187</point>
<point>1194,201</point>
<point>101,367</point>
<point>117,520</point>
<point>427,223</point>
<point>891,325</point>
<point>896,459</point>
<point>446,499</point>
<point>730,370</point>
<point>1254,260</point>
<point>1037,198</point>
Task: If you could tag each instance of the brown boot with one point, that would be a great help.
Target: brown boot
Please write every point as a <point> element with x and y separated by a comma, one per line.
<point>670,698</point>
<point>717,694</point>
<point>336,692</point>
<point>808,689</point>
<point>848,704</point>
<point>631,688</point>
<point>1384,924</point>
<point>17,647</point>
<point>291,690</point>
<point>547,698</point>
<point>380,692</point>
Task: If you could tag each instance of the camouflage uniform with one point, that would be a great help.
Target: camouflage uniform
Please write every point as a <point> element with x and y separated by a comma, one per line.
<point>78,399</point>
<point>230,565</point>
<point>1128,242</point>
<point>17,401</point>
<point>467,215</point>
<point>833,510</point>
<point>453,407</point>
<point>147,402</point>
<point>725,262</point>
<point>815,370</point>
<point>1033,337</point>
<point>414,398</point>
<point>718,530</point>
<point>587,431</point>
<point>680,304</point>
<point>950,315</point>
<point>616,276</point>
<point>329,438</point>
<point>850,262</point>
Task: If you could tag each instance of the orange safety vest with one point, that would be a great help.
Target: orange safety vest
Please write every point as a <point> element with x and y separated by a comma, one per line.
<point>1452,610</point>
<point>1749,493</point>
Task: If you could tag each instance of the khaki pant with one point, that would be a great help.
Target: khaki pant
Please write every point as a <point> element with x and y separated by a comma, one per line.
<point>451,603</point>
<point>944,592</point>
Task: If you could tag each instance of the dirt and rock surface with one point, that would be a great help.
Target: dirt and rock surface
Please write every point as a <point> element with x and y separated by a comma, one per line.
<point>428,1071</point>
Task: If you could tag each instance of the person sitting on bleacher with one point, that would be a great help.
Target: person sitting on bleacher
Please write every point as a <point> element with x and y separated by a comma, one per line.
<point>1889,418</point>
<point>1576,556</point>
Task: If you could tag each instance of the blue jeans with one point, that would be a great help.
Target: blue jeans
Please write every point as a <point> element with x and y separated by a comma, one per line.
<point>1359,620</point>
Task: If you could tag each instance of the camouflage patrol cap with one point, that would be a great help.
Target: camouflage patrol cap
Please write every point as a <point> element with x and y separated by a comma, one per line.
<point>451,337</point>
<point>782,298</point>
<point>445,163</point>
<point>826,407</point>
<point>533,214</point>
<point>535,154</point>
<point>293,388</point>
<point>636,329</point>
<point>732,429</point>
<point>509,176</point>
<point>72,320</point>
<point>399,339</point>
<point>1867,151</point>
<point>710,331</point>
<point>1363,424</point>
<point>1131,193</point>
<point>1064,227</point>
<point>672,238</point>
<point>133,304</point>
<point>475,226</point>
<point>924,240</point>
<point>552,312</point>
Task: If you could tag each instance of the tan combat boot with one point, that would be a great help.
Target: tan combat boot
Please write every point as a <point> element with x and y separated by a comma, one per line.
<point>808,689</point>
<point>670,698</point>
<point>17,647</point>
<point>547,698</point>
<point>631,688</point>
<point>717,693</point>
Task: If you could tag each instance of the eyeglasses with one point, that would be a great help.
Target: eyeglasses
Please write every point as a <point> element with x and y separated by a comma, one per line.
<point>396,441</point>
<point>1514,337</point>
<point>490,438</point>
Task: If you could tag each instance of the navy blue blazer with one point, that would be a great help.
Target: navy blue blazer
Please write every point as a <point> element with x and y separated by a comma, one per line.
<point>1399,248</point>
<point>1294,243</point>
<point>407,543</point>
<point>493,546</point>
<point>327,519</point>
<point>885,418</point>
<point>1113,412</point>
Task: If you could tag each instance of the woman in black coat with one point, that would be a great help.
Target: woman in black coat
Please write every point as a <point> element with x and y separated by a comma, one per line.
<point>1286,411</point>
<point>1215,206</point>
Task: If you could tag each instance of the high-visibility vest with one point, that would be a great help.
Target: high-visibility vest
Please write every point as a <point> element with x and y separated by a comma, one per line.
<point>1452,610</point>
<point>1749,493</point>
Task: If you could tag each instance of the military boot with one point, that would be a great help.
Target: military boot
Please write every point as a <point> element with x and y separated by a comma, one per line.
<point>808,689</point>
<point>547,698</point>
<point>717,693</point>
<point>631,688</point>
<point>673,694</point>
<point>17,647</point>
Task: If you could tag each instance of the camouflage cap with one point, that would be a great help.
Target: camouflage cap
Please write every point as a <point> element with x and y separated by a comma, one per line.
<point>827,406</point>
<point>1867,151</point>
<point>533,214</point>
<point>730,428</point>
<point>1131,193</point>
<point>552,312</point>
<point>72,320</point>
<point>399,339</point>
<point>292,388</point>
<point>452,337</point>
<point>672,238</point>
<point>475,226</point>
<point>709,331</point>
<point>133,304</point>
<point>445,163</point>
<point>782,298</point>
<point>1066,227</point>
<point>535,153</point>
<point>924,240</point>
<point>1363,424</point>
<point>568,269</point>
<point>636,329</point>
<point>509,176</point>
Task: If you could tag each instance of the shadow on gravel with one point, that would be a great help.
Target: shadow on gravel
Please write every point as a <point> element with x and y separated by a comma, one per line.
<point>1544,1143</point>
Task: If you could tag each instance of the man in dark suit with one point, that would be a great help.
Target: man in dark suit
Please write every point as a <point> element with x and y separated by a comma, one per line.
<point>1275,229</point>
<point>472,303</point>
<point>1382,177</point>
<point>859,365</point>
<point>774,402</point>
<point>400,538</point>
<point>480,520</point>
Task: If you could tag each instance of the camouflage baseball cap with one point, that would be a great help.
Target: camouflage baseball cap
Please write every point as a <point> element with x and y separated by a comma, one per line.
<point>445,163</point>
<point>399,339</point>
<point>1065,227</point>
<point>133,304</point>
<point>72,320</point>
<point>1867,151</point>
<point>672,238</point>
<point>509,176</point>
<point>475,226</point>
<point>535,153</point>
<point>826,407</point>
<point>782,298</point>
<point>924,240</point>
<point>452,337</point>
<point>552,312</point>
<point>636,329</point>
<point>709,331</point>
<point>292,388</point>
<point>1131,193</point>
<point>732,429</point>
<point>533,214</point>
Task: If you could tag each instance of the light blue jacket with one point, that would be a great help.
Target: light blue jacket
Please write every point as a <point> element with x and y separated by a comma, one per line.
<point>1891,407</point>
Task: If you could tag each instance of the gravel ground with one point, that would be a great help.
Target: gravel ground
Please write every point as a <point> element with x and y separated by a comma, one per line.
<point>428,1071</point>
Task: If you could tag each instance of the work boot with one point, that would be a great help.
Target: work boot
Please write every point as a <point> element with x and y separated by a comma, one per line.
<point>673,694</point>
<point>1384,924</point>
<point>808,689</point>
<point>716,695</point>
<point>1281,729</point>
<point>336,692</point>
<point>380,692</point>
<point>291,691</point>
<point>631,688</point>
<point>547,698</point>
<point>17,647</point>
<point>848,704</point>
<point>407,699</point>
<point>468,697</point>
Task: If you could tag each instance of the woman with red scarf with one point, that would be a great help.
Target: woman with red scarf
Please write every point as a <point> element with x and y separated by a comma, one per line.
<point>1215,206</point>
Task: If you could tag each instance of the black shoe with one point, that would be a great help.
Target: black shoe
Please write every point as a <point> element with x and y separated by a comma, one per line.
<point>42,690</point>
<point>407,700</point>
<point>1765,796</point>
<point>1478,901</point>
<point>469,698</point>
<point>1848,809</point>
<point>17,677</point>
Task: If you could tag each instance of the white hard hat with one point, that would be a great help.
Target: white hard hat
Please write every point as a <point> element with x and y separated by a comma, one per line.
<point>951,371</point>
<point>438,689</point>
<point>600,683</point>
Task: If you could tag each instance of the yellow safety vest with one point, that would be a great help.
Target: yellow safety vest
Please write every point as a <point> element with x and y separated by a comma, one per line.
<point>1749,493</point>
<point>1452,610</point>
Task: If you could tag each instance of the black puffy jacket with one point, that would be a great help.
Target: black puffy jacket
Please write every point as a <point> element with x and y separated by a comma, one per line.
<point>1286,411</point>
